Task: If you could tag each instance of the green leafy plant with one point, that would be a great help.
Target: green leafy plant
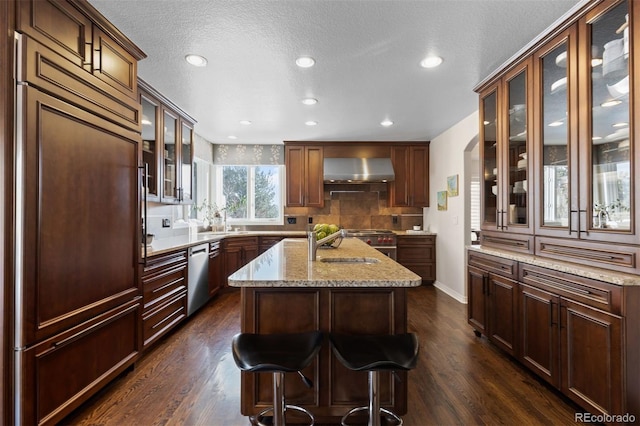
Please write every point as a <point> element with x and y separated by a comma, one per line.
<point>210,210</point>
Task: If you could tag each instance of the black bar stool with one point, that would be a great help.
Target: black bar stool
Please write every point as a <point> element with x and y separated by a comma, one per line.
<point>375,353</point>
<point>278,354</point>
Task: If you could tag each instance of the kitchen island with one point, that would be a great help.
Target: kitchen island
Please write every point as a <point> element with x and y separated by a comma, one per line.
<point>352,289</point>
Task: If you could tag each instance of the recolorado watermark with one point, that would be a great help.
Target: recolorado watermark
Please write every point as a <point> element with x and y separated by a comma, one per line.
<point>604,418</point>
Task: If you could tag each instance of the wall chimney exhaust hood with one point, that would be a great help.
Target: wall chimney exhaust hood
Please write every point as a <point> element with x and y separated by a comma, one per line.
<point>358,170</point>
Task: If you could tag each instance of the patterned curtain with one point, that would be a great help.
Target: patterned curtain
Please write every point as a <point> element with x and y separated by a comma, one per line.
<point>245,155</point>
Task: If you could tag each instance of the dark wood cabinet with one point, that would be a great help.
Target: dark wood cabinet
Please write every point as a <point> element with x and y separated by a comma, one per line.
<point>164,287</point>
<point>304,174</point>
<point>216,268</point>
<point>493,300</point>
<point>167,148</point>
<point>556,148</point>
<point>266,242</point>
<point>78,232</point>
<point>418,253</point>
<point>411,167</point>
<point>567,329</point>
<point>238,251</point>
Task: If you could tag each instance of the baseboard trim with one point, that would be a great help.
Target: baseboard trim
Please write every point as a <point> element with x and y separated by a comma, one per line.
<point>449,292</point>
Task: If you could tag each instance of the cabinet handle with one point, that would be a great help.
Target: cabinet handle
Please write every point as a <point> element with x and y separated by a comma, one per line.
<point>144,169</point>
<point>497,219</point>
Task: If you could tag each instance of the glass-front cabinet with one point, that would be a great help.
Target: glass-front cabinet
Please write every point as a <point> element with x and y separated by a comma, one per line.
<point>488,140</point>
<point>505,116</point>
<point>607,163</point>
<point>167,148</point>
<point>170,157</point>
<point>186,162</point>
<point>556,136</point>
<point>150,142</point>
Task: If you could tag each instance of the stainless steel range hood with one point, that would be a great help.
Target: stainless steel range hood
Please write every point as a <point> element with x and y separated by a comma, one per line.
<point>358,170</point>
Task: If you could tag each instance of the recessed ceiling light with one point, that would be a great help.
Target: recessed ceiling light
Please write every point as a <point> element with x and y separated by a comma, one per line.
<point>146,122</point>
<point>309,101</point>
<point>245,122</point>
<point>621,124</point>
<point>556,124</point>
<point>431,62</point>
<point>305,61</point>
<point>486,123</point>
<point>596,138</point>
<point>311,123</point>
<point>386,123</point>
<point>196,60</point>
<point>595,62</point>
<point>610,103</point>
<point>232,137</point>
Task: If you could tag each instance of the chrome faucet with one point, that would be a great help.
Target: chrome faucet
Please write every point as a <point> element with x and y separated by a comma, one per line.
<point>313,244</point>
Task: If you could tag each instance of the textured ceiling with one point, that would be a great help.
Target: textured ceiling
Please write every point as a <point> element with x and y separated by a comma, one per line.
<point>367,56</point>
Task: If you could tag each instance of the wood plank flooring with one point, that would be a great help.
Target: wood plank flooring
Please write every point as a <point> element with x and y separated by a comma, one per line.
<point>189,378</point>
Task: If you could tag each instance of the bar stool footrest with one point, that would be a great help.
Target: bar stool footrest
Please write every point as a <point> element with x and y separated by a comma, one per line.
<point>287,407</point>
<point>389,413</point>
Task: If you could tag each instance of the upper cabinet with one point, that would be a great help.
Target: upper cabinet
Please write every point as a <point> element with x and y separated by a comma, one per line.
<point>411,167</point>
<point>558,143</point>
<point>304,169</point>
<point>167,148</point>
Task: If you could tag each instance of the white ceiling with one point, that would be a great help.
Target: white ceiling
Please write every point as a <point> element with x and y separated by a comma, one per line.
<point>367,56</point>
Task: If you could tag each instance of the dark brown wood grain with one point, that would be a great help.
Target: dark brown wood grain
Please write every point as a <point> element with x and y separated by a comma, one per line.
<point>189,377</point>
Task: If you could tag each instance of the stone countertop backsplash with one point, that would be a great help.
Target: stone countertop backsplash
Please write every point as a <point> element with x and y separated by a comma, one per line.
<point>611,277</point>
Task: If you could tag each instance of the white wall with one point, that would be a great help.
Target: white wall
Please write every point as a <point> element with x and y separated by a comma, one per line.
<point>447,158</point>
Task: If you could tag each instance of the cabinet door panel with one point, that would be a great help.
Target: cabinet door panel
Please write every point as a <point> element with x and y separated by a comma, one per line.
<point>477,305</point>
<point>114,65</point>
<point>294,160</point>
<point>592,360</point>
<point>539,333</point>
<point>399,188</point>
<point>81,244</point>
<point>62,27</point>
<point>420,176</point>
<point>313,177</point>
<point>503,313</point>
<point>489,158</point>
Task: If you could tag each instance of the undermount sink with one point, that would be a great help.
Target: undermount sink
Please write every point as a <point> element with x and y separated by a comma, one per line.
<point>366,260</point>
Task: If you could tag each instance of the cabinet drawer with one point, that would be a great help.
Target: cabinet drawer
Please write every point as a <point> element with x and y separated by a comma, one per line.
<point>497,265</point>
<point>241,242</point>
<point>214,249</point>
<point>163,285</point>
<point>162,318</point>
<point>405,240</point>
<point>505,241</point>
<point>62,372</point>
<point>597,294</point>
<point>424,254</point>
<point>158,263</point>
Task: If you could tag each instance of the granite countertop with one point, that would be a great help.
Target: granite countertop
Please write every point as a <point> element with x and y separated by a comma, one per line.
<point>611,277</point>
<point>286,265</point>
<point>165,245</point>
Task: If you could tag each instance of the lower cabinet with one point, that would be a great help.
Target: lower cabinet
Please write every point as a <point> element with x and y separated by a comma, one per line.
<point>61,372</point>
<point>216,268</point>
<point>418,253</point>
<point>164,287</point>
<point>266,242</point>
<point>579,334</point>
<point>238,251</point>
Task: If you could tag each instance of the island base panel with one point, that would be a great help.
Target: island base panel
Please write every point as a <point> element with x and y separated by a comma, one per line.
<point>336,389</point>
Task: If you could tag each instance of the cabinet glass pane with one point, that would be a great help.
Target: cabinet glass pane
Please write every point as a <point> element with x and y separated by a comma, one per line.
<point>517,160</point>
<point>149,145</point>
<point>170,171</point>
<point>490,166</point>
<point>555,139</point>
<point>611,178</point>
<point>187,162</point>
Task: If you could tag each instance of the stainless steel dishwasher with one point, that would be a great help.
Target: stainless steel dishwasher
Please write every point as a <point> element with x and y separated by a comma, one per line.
<point>198,283</point>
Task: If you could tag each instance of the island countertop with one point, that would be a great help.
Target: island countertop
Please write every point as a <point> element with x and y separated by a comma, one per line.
<point>286,265</point>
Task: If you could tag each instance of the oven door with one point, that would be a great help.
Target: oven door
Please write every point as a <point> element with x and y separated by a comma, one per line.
<point>389,251</point>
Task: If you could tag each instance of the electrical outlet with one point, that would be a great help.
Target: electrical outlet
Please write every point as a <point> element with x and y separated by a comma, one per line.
<point>291,220</point>
<point>310,219</point>
<point>166,222</point>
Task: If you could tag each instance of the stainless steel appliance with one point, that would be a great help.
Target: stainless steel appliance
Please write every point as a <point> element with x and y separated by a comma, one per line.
<point>198,282</point>
<point>380,239</point>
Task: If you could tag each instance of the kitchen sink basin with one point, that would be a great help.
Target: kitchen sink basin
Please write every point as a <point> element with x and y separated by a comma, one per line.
<point>366,260</point>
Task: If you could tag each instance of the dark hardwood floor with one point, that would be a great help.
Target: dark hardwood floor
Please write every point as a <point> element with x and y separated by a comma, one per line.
<point>189,378</point>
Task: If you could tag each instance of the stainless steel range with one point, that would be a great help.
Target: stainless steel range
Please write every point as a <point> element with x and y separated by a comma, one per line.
<point>380,239</point>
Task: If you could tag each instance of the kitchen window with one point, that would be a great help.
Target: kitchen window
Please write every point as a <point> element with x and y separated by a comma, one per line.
<point>250,195</point>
